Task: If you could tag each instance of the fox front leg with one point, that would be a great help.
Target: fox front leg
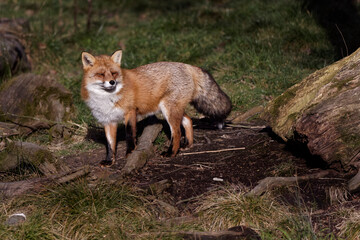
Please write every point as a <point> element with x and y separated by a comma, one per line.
<point>110,132</point>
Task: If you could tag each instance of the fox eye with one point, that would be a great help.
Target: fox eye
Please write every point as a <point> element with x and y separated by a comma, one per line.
<point>100,75</point>
<point>114,74</point>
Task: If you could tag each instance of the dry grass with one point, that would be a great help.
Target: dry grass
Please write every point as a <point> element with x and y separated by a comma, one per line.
<point>230,207</point>
<point>350,225</point>
<point>267,215</point>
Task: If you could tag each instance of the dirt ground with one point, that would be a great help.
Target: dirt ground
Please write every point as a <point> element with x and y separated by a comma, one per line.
<point>236,155</point>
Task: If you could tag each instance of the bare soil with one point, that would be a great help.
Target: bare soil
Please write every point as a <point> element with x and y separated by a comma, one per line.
<point>185,178</point>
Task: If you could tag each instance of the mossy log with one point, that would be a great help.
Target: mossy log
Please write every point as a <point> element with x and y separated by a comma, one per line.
<point>13,56</point>
<point>323,112</point>
<point>17,153</point>
<point>35,101</point>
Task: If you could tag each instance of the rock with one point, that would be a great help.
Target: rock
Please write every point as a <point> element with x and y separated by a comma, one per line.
<point>13,57</point>
<point>25,152</point>
<point>35,101</point>
<point>323,112</point>
<point>16,219</point>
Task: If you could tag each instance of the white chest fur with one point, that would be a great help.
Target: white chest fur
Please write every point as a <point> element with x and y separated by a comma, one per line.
<point>103,107</point>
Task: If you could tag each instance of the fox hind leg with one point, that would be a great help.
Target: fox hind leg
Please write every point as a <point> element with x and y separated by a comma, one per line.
<point>189,131</point>
<point>174,123</point>
<point>174,118</point>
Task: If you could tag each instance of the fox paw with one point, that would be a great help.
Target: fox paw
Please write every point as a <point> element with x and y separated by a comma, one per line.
<point>106,163</point>
<point>168,153</point>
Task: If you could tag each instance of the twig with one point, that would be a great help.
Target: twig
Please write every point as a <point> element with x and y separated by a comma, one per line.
<point>190,199</point>
<point>208,141</point>
<point>67,123</point>
<point>213,151</point>
<point>347,51</point>
<point>245,126</point>
<point>198,165</point>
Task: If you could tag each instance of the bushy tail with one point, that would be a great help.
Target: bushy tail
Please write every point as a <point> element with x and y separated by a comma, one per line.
<point>211,100</point>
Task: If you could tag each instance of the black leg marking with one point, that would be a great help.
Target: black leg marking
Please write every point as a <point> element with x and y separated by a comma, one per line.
<point>130,140</point>
<point>109,160</point>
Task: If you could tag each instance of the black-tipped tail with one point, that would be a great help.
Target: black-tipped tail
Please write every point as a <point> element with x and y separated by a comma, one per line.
<point>212,101</point>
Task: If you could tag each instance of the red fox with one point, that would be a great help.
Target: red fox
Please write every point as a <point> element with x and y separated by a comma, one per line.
<point>114,94</point>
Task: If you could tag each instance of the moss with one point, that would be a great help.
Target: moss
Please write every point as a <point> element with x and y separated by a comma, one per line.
<point>6,84</point>
<point>45,94</point>
<point>42,104</point>
<point>282,100</point>
<point>42,156</point>
<point>3,155</point>
<point>351,140</point>
<point>341,83</point>
<point>349,137</point>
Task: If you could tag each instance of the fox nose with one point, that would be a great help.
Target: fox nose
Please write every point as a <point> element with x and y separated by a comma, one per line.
<point>112,82</point>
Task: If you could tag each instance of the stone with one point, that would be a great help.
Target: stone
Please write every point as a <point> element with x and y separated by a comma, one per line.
<point>16,219</point>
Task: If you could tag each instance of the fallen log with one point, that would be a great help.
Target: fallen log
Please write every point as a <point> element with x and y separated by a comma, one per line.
<point>144,149</point>
<point>269,183</point>
<point>11,189</point>
<point>322,112</point>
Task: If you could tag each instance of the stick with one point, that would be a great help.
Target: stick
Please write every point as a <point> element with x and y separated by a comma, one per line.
<point>213,151</point>
<point>245,126</point>
<point>272,182</point>
<point>10,189</point>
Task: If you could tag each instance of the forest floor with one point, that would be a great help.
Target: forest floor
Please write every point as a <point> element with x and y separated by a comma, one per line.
<point>238,155</point>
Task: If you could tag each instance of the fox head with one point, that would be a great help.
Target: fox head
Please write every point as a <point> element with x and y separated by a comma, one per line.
<point>102,74</point>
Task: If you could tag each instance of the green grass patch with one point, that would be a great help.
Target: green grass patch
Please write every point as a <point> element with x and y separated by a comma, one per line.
<point>255,49</point>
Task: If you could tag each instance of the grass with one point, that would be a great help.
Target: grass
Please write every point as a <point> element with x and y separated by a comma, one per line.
<point>83,211</point>
<point>255,49</point>
<point>350,226</point>
<point>269,216</point>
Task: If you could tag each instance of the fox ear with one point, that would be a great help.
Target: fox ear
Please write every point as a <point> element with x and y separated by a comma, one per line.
<point>88,60</point>
<point>116,57</point>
